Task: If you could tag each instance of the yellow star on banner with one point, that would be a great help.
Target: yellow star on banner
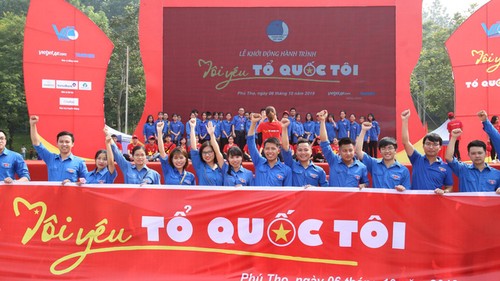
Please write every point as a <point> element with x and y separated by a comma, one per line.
<point>281,233</point>
<point>37,211</point>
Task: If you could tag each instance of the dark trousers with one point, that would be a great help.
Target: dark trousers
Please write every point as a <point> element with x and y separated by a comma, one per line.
<point>372,147</point>
<point>240,139</point>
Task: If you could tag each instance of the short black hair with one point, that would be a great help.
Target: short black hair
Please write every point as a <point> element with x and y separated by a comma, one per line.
<point>302,140</point>
<point>274,140</point>
<point>344,141</point>
<point>476,143</point>
<point>386,141</point>
<point>66,133</point>
<point>434,138</point>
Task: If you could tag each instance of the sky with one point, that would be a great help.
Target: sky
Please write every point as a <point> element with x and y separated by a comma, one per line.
<point>453,6</point>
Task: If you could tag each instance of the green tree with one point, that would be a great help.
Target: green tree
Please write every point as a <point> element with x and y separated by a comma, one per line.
<point>124,33</point>
<point>17,7</point>
<point>13,111</point>
<point>432,84</point>
<point>119,20</point>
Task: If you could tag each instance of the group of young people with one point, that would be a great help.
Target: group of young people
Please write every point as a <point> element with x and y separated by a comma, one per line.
<point>231,131</point>
<point>349,167</point>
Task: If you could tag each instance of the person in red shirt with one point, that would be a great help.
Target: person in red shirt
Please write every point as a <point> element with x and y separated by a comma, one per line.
<point>168,144</point>
<point>151,149</point>
<point>246,153</point>
<point>228,145</point>
<point>118,144</point>
<point>454,124</point>
<point>271,127</point>
<point>335,145</point>
<point>135,142</point>
<point>317,152</point>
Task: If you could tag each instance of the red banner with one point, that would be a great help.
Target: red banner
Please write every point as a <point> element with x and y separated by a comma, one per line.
<point>474,50</point>
<point>65,60</point>
<point>122,232</point>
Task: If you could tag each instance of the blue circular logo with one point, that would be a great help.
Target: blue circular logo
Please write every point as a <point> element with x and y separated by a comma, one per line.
<point>277,31</point>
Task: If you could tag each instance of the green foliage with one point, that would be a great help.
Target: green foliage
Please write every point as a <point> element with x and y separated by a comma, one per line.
<point>13,111</point>
<point>119,20</point>
<point>432,84</point>
<point>17,7</point>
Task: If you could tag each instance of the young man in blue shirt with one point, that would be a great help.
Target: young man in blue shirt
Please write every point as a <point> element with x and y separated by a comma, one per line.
<point>269,171</point>
<point>492,132</point>
<point>63,167</point>
<point>475,177</point>
<point>386,172</point>
<point>345,170</point>
<point>12,163</point>
<point>304,172</point>
<point>429,170</point>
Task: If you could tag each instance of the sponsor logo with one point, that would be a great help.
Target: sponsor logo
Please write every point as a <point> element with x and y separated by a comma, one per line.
<point>48,84</point>
<point>277,31</point>
<point>84,55</point>
<point>493,30</point>
<point>68,33</point>
<point>69,101</point>
<point>67,84</point>
<point>85,85</point>
<point>51,53</point>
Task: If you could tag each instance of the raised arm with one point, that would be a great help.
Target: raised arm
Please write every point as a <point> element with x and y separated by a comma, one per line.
<point>405,135</point>
<point>254,118</point>
<point>192,133</point>
<point>215,145</point>
<point>33,130</point>
<point>451,145</point>
<point>322,115</point>
<point>359,140</point>
<point>490,129</point>
<point>109,152</point>
<point>285,123</point>
<point>159,133</point>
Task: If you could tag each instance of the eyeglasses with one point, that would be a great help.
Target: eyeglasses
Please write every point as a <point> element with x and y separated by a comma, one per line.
<point>431,144</point>
<point>207,152</point>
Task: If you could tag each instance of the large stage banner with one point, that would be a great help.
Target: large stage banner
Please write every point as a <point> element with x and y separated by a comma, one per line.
<point>120,232</point>
<point>65,61</point>
<point>474,51</point>
<point>352,55</point>
<point>311,58</point>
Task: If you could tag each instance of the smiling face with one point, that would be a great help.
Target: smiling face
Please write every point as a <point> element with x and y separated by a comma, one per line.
<point>235,161</point>
<point>101,161</point>
<point>179,160</point>
<point>65,144</point>
<point>208,154</point>
<point>388,152</point>
<point>304,152</point>
<point>271,151</point>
